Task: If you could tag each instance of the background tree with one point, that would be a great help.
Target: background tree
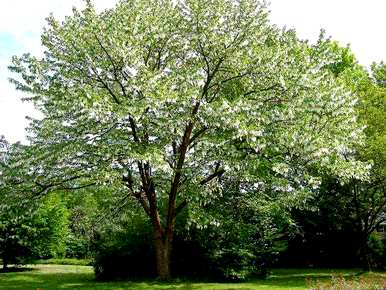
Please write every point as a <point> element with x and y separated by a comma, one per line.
<point>29,228</point>
<point>167,97</point>
<point>347,214</point>
<point>364,201</point>
<point>369,198</point>
<point>245,234</point>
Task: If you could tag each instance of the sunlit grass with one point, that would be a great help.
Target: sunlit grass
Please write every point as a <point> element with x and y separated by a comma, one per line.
<point>82,277</point>
<point>66,261</point>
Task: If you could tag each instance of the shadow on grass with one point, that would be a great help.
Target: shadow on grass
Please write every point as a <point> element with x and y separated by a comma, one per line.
<point>15,269</point>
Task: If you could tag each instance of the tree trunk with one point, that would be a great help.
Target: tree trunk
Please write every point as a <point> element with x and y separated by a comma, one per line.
<point>5,265</point>
<point>163,252</point>
<point>364,253</point>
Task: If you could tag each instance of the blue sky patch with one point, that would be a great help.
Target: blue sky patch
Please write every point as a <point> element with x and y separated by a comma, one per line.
<point>8,44</point>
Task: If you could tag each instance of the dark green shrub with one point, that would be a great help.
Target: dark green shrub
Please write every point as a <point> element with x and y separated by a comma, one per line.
<point>124,251</point>
<point>376,251</point>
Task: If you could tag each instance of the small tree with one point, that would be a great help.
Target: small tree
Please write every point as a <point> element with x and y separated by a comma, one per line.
<point>165,97</point>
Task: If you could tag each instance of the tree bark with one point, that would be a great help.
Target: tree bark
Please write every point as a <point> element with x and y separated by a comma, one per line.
<point>363,252</point>
<point>163,248</point>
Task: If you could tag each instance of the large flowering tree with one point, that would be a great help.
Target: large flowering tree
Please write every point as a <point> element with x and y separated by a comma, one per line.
<point>168,97</point>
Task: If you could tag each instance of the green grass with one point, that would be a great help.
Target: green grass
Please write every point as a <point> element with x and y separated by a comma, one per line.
<point>65,261</point>
<point>82,277</point>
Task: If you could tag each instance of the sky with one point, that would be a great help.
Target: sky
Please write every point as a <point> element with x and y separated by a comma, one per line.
<point>357,22</point>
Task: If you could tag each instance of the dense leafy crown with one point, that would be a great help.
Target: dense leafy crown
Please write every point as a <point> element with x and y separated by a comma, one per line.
<point>194,89</point>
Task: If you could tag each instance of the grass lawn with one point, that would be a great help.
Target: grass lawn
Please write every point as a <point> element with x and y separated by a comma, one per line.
<point>81,277</point>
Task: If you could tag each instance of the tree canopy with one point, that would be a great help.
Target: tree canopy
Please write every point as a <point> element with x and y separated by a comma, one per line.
<point>169,98</point>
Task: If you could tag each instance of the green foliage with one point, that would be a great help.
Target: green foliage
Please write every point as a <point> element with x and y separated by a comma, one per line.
<point>52,224</point>
<point>345,61</point>
<point>17,234</point>
<point>349,212</point>
<point>164,99</point>
<point>328,234</point>
<point>30,226</point>
<point>368,199</point>
<point>245,234</point>
<point>77,246</point>
<point>371,109</point>
<point>29,230</point>
<point>376,251</point>
<point>84,211</point>
<point>124,249</point>
<point>101,83</point>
